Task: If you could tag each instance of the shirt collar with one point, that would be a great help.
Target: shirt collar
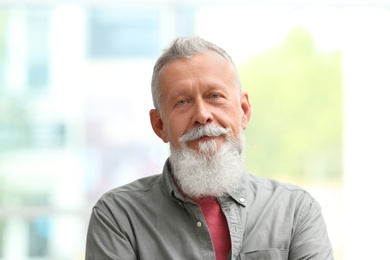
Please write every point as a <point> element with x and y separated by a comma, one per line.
<point>240,194</point>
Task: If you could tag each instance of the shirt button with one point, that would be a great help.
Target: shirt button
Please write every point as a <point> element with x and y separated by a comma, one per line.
<point>242,200</point>
<point>199,224</point>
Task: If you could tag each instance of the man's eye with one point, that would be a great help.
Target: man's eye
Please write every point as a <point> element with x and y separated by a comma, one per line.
<point>182,102</point>
<point>215,95</point>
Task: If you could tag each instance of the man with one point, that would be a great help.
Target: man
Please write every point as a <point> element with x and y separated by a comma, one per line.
<point>204,205</point>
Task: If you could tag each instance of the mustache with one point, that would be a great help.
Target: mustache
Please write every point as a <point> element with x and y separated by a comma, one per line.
<point>205,130</point>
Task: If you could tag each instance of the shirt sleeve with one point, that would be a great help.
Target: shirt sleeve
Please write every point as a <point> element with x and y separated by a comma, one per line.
<point>310,238</point>
<point>105,240</point>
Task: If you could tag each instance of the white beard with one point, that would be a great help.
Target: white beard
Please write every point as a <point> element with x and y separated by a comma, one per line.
<point>210,171</point>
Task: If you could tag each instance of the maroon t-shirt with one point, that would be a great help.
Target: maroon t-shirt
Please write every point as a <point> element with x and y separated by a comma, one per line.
<point>217,225</point>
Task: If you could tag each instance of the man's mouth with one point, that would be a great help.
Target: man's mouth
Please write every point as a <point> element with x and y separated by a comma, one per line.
<point>205,138</point>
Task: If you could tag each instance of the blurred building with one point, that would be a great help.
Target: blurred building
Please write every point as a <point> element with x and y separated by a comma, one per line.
<point>72,78</point>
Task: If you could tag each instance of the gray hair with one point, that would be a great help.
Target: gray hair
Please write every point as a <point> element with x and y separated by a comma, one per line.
<point>184,47</point>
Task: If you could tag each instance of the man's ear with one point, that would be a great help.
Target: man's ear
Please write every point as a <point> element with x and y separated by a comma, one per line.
<point>246,109</point>
<point>157,124</point>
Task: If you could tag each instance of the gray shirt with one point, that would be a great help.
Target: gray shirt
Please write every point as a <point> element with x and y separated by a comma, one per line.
<point>150,219</point>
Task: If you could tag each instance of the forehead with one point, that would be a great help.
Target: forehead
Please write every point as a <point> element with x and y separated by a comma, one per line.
<point>202,65</point>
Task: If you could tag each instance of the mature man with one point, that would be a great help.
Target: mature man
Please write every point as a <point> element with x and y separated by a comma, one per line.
<point>204,205</point>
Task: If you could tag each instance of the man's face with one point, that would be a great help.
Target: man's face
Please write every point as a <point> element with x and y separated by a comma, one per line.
<point>199,91</point>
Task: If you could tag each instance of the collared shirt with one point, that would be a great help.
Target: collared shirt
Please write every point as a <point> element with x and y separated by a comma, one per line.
<point>150,219</point>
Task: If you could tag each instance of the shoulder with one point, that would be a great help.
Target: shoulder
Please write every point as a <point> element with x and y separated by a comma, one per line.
<point>271,184</point>
<point>141,185</point>
<point>130,192</point>
<point>281,199</point>
<point>269,189</point>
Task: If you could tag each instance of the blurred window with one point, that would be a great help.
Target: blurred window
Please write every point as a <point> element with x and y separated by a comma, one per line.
<point>38,227</point>
<point>48,134</point>
<point>124,33</point>
<point>38,236</point>
<point>37,48</point>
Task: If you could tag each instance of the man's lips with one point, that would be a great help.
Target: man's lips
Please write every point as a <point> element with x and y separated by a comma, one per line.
<point>206,138</point>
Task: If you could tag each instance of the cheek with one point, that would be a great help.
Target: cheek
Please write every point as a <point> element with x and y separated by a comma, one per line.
<point>175,129</point>
<point>237,124</point>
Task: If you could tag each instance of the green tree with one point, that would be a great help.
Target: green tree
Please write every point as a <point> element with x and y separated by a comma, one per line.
<point>296,96</point>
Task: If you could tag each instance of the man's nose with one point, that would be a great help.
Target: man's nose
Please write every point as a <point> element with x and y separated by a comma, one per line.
<point>202,113</point>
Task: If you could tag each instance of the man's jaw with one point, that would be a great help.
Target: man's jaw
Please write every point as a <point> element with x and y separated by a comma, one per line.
<point>208,172</point>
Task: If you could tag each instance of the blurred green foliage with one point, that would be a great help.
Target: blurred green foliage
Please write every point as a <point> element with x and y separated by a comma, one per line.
<point>296,96</point>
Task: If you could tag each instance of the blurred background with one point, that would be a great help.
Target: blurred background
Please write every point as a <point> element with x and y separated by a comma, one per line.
<point>75,96</point>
